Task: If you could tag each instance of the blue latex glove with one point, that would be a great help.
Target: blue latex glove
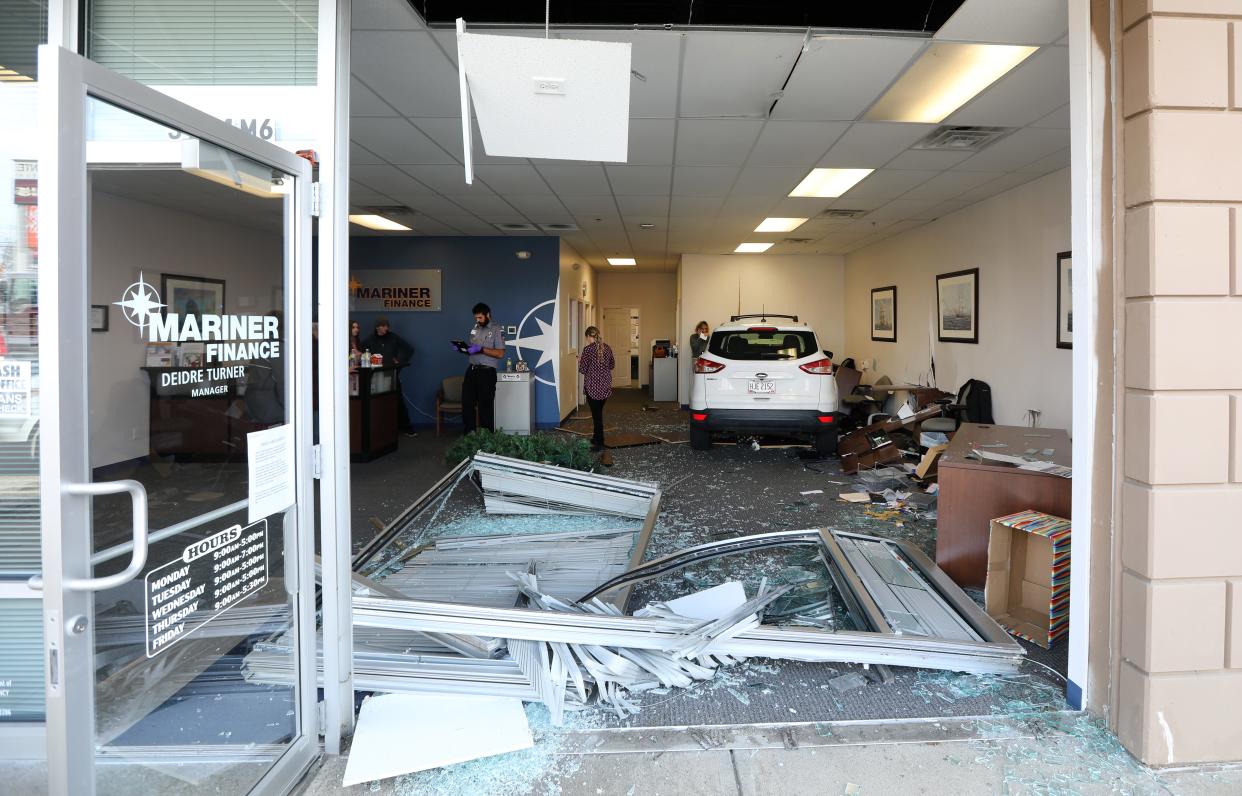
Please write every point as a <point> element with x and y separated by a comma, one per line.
<point>474,349</point>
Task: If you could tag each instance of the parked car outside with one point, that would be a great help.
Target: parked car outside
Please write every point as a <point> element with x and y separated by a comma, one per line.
<point>764,374</point>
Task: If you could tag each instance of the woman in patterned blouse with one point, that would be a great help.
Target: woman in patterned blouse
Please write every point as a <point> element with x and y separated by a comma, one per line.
<point>596,364</point>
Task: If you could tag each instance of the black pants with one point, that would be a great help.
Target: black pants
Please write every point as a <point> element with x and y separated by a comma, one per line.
<point>597,415</point>
<point>479,390</point>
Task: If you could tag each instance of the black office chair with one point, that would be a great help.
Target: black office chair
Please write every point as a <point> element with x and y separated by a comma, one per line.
<point>972,405</point>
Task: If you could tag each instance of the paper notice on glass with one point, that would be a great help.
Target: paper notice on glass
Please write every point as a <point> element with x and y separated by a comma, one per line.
<point>14,388</point>
<point>269,457</point>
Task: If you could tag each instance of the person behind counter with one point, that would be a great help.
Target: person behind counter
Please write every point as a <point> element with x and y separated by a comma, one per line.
<point>698,341</point>
<point>596,363</point>
<point>355,337</point>
<point>485,348</point>
<point>395,351</point>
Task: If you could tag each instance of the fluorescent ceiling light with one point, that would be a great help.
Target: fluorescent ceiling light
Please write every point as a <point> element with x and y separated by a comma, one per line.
<point>944,78</point>
<point>829,182</point>
<point>780,224</point>
<point>371,221</point>
<point>752,248</point>
<point>621,261</point>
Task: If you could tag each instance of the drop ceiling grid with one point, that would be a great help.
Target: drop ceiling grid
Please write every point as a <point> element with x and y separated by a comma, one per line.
<point>706,163</point>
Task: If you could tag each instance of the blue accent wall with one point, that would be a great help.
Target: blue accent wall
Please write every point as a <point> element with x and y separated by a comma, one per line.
<point>471,270</point>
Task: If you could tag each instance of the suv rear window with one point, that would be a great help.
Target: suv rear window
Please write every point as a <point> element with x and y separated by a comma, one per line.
<point>762,345</point>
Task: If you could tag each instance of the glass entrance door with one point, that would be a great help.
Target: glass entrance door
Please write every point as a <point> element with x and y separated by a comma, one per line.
<point>180,541</point>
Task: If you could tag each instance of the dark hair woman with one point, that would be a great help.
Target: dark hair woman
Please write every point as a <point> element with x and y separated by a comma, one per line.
<point>595,364</point>
<point>355,337</point>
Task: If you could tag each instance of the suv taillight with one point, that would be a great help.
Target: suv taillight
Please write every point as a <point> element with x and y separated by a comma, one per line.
<point>820,367</point>
<point>702,365</point>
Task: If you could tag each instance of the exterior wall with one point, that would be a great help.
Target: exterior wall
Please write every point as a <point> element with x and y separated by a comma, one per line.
<point>1178,691</point>
<point>655,295</point>
<point>1013,239</point>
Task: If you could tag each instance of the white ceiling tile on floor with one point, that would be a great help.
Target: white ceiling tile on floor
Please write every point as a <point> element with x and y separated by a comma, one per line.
<point>1060,119</point>
<point>1035,88</point>
<point>695,206</point>
<point>384,15</point>
<point>582,205</point>
<point>703,180</point>
<point>1017,149</point>
<point>774,181</point>
<point>949,184</point>
<point>396,141</point>
<point>795,143</point>
<point>515,179</point>
<point>1007,22</point>
<point>654,54</point>
<point>643,205</point>
<point>735,73</point>
<point>885,184</point>
<point>998,185</point>
<point>446,179</point>
<point>873,144</point>
<point>1046,165</point>
<point>829,84</point>
<point>715,142</point>
<point>407,70</point>
<point>361,156</point>
<point>387,179</point>
<point>574,180</point>
<point>542,209</point>
<point>640,180</point>
<point>651,141</point>
<point>929,159</point>
<point>365,102</point>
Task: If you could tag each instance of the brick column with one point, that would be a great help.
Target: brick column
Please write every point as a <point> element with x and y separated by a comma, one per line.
<point>1179,694</point>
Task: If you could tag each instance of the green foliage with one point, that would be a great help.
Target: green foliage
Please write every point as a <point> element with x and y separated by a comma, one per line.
<point>539,447</point>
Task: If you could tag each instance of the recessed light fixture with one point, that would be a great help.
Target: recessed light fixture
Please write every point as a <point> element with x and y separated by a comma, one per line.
<point>944,78</point>
<point>780,224</point>
<point>371,221</point>
<point>523,254</point>
<point>621,261</point>
<point>752,248</point>
<point>646,226</point>
<point>829,183</point>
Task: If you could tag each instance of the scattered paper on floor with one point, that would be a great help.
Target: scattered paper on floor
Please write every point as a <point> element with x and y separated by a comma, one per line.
<point>403,733</point>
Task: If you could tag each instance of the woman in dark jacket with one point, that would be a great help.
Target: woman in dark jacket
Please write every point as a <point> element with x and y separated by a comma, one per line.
<point>698,341</point>
<point>595,364</point>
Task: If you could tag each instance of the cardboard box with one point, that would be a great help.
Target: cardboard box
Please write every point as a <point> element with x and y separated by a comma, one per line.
<point>1028,582</point>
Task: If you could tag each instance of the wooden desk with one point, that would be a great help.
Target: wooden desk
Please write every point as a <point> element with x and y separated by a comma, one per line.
<point>374,407</point>
<point>972,493</point>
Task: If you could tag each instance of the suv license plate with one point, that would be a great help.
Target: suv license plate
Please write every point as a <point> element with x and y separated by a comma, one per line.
<point>762,386</point>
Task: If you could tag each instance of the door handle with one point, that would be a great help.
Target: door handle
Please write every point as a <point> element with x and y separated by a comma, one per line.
<point>138,558</point>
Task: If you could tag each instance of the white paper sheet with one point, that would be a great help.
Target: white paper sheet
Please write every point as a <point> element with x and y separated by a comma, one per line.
<point>269,458</point>
<point>710,603</point>
<point>403,733</point>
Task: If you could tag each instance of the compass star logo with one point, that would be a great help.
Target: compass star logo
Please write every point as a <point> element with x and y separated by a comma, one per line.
<point>544,340</point>
<point>139,302</point>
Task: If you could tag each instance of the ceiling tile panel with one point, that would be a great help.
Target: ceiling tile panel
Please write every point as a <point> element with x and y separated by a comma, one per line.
<point>885,184</point>
<point>799,207</point>
<point>828,83</point>
<point>482,204</point>
<point>1046,165</point>
<point>773,181</point>
<point>643,205</point>
<point>581,205</point>
<point>1007,22</point>
<point>1017,149</point>
<point>407,70</point>
<point>387,179</point>
<point>1035,88</point>
<point>651,142</point>
<point>795,143</point>
<point>515,179</point>
<point>695,206</point>
<point>397,141</point>
<point>928,159</point>
<point>715,142</point>
<point>735,73</point>
<point>360,194</point>
<point>1060,118</point>
<point>447,133</point>
<point>383,15</point>
<point>656,56</point>
<point>949,184</point>
<point>703,180</point>
<point>574,180</point>
<point>640,180</point>
<point>360,156</point>
<point>447,179</point>
<point>365,102</point>
<point>998,185</point>
<point>542,209</point>
<point>870,145</point>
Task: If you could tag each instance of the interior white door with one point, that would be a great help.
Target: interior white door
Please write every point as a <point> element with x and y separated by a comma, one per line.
<point>190,414</point>
<point>615,328</point>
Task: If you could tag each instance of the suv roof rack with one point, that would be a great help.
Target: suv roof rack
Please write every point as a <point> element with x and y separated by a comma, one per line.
<point>763,316</point>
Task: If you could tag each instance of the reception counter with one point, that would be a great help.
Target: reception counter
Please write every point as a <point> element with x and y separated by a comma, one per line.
<point>374,412</point>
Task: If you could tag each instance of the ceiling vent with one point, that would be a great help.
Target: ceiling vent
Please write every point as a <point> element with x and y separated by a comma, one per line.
<point>388,211</point>
<point>797,240</point>
<point>949,138</point>
<point>841,214</point>
<point>516,227</point>
<point>559,227</point>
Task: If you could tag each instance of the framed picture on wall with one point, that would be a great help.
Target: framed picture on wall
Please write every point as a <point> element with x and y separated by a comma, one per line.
<point>192,295</point>
<point>99,317</point>
<point>1065,300</point>
<point>957,303</point>
<point>884,314</point>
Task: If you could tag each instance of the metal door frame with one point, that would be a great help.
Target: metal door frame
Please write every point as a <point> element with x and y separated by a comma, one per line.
<point>66,80</point>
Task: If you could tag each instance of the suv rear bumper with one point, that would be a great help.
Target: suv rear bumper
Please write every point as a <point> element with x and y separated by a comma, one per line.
<point>758,421</point>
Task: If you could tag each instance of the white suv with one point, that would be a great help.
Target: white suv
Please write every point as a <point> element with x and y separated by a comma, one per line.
<point>760,376</point>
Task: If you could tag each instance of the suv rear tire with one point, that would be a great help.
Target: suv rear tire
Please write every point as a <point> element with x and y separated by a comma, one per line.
<point>701,439</point>
<point>826,443</point>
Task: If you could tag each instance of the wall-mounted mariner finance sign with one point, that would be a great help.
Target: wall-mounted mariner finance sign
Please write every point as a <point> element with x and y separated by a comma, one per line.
<point>197,353</point>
